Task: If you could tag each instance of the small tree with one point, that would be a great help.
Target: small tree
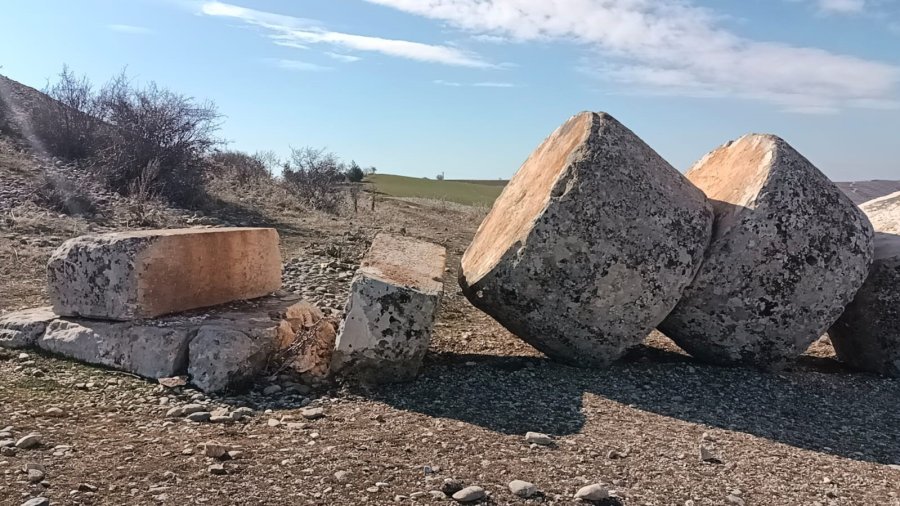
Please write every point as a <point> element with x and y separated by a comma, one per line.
<point>66,116</point>
<point>355,173</point>
<point>314,175</point>
<point>440,177</point>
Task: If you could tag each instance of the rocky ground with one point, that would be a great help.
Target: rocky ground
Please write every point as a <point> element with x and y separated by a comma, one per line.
<point>655,429</point>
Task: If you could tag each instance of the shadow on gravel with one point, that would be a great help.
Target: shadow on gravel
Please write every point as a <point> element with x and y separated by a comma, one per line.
<point>849,415</point>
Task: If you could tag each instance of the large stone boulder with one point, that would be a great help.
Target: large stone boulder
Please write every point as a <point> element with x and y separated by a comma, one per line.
<point>788,252</point>
<point>590,244</point>
<point>143,274</point>
<point>21,329</point>
<point>867,335</point>
<point>394,298</point>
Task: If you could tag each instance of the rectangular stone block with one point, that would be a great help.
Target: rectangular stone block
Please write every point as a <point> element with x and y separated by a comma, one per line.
<point>144,274</point>
<point>394,298</point>
<point>153,351</point>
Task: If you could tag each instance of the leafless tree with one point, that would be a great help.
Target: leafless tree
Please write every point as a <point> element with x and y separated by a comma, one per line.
<point>314,176</point>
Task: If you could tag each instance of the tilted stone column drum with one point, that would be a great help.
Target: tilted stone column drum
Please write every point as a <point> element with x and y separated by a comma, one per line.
<point>394,299</point>
<point>787,255</point>
<point>143,274</point>
<point>867,335</point>
<point>590,244</point>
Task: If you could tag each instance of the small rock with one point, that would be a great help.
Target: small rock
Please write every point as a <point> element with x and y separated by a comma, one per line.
<point>451,486</point>
<point>342,476</point>
<point>55,413</point>
<point>271,389</point>
<point>214,450</point>
<point>437,495</point>
<point>706,455</point>
<point>235,454</point>
<point>30,441</point>
<point>87,487</point>
<point>8,451</point>
<point>522,488</point>
<point>538,439</point>
<point>273,422</point>
<point>221,419</point>
<point>35,476</point>
<point>200,416</point>
<point>312,413</point>
<point>470,494</point>
<point>733,499</point>
<point>37,501</point>
<point>217,469</point>
<point>595,492</point>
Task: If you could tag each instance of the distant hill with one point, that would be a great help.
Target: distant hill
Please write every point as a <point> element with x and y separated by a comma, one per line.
<point>864,191</point>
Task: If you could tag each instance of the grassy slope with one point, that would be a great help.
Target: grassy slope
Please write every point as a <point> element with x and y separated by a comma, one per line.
<point>463,192</point>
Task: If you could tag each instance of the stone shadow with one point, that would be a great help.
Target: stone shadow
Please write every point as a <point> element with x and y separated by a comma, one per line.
<point>851,415</point>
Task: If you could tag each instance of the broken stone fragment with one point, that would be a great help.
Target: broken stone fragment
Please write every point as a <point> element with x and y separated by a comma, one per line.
<point>144,274</point>
<point>394,298</point>
<point>313,340</point>
<point>21,329</point>
<point>867,335</point>
<point>590,244</point>
<point>788,253</point>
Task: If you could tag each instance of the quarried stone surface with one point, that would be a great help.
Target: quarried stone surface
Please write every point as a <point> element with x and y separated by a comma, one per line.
<point>144,349</point>
<point>590,245</point>
<point>21,329</point>
<point>313,341</point>
<point>788,253</point>
<point>394,298</point>
<point>143,274</point>
<point>867,335</point>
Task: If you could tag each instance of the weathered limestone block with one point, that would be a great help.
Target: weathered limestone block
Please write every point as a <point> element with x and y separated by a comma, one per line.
<point>21,329</point>
<point>313,341</point>
<point>788,253</point>
<point>394,298</point>
<point>590,245</point>
<point>867,335</point>
<point>144,349</point>
<point>143,274</point>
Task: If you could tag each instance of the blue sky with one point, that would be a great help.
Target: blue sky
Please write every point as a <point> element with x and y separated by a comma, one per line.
<point>470,87</point>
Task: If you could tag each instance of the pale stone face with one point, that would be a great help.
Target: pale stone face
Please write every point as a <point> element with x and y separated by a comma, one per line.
<point>867,335</point>
<point>394,298</point>
<point>132,275</point>
<point>789,250</point>
<point>590,245</point>
<point>21,329</point>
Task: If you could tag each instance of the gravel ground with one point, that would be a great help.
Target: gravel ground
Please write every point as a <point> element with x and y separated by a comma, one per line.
<point>655,429</point>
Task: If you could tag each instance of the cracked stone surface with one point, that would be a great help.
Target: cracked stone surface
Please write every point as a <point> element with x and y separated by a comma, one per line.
<point>21,329</point>
<point>143,274</point>
<point>867,335</point>
<point>590,245</point>
<point>789,251</point>
<point>394,298</point>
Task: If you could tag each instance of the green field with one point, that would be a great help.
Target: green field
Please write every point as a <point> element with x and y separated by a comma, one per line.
<point>462,192</point>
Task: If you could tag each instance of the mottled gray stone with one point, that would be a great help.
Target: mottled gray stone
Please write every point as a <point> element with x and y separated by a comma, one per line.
<point>21,329</point>
<point>590,245</point>
<point>394,298</point>
<point>867,335</point>
<point>144,349</point>
<point>148,273</point>
<point>788,253</point>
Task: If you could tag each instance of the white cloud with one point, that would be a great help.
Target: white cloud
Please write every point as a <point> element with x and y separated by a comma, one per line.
<point>303,66</point>
<point>675,47</point>
<point>130,29</point>
<point>288,29</point>
<point>841,6</point>
<point>447,83</point>
<point>347,58</point>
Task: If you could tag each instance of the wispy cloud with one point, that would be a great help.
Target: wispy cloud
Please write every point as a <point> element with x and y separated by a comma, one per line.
<point>347,58</point>
<point>298,65</point>
<point>841,6</point>
<point>676,47</point>
<point>130,29</point>
<point>301,31</point>
<point>486,84</point>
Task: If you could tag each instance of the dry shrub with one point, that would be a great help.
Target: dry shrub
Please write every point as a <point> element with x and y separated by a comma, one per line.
<point>241,168</point>
<point>66,116</point>
<point>64,197</point>
<point>314,176</point>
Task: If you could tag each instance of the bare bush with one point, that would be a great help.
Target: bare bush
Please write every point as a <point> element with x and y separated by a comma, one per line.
<point>64,197</point>
<point>65,117</point>
<point>315,176</point>
<point>241,168</point>
<point>155,126</point>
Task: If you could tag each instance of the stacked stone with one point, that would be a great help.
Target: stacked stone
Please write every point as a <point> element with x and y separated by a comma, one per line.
<point>125,300</point>
<point>867,335</point>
